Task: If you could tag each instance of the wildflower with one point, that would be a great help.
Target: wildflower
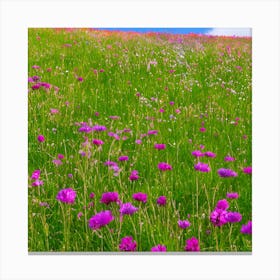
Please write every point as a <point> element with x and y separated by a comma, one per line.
<point>101,219</point>
<point>60,156</point>
<point>54,111</point>
<point>161,201</point>
<point>79,215</point>
<point>57,162</point>
<point>233,217</point>
<point>202,129</point>
<point>210,154</point>
<point>99,128</point>
<point>138,141</point>
<point>134,175</point>
<point>109,197</point>
<point>80,79</point>
<point>229,158</point>
<point>152,132</point>
<point>184,224</point>
<point>70,175</point>
<point>160,146</point>
<point>140,197</point>
<point>223,172</point>
<point>177,111</point>
<point>247,228</point>
<point>66,196</point>
<point>163,166</point>
<point>44,204</point>
<point>128,209</point>
<point>41,138</point>
<point>97,142</point>
<point>247,170</point>
<point>123,158</point>
<point>110,163</point>
<point>36,174</point>
<point>91,195</point>
<point>161,110</point>
<point>158,248</point>
<point>218,217</point>
<point>37,183</point>
<point>202,167</point>
<point>192,244</point>
<point>232,195</point>
<point>222,204</point>
<point>197,153</point>
<point>36,78</point>
<point>171,103</point>
<point>85,128</point>
<point>128,244</point>
<point>35,67</point>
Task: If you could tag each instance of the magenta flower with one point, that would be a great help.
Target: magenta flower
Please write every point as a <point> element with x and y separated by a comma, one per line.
<point>247,228</point>
<point>91,195</point>
<point>233,217</point>
<point>192,244</point>
<point>60,156</point>
<point>184,224</point>
<point>41,138</point>
<point>54,111</point>
<point>123,158</point>
<point>161,110</point>
<point>197,153</point>
<point>79,215</point>
<point>128,209</point>
<point>99,128</point>
<point>224,173</point>
<point>222,204</point>
<point>37,183</point>
<point>210,154</point>
<point>202,167</point>
<point>57,162</point>
<point>229,158</point>
<point>152,132</point>
<point>163,166</point>
<point>140,197</point>
<point>109,197</point>
<point>218,217</point>
<point>202,129</point>
<point>101,219</point>
<point>160,146</point>
<point>128,244</point>
<point>171,103</point>
<point>36,78</point>
<point>66,196</point>
<point>85,128</point>
<point>110,163</point>
<point>80,79</point>
<point>36,174</point>
<point>138,141</point>
<point>247,170</point>
<point>35,67</point>
<point>233,195</point>
<point>161,201</point>
<point>114,117</point>
<point>158,248</point>
<point>134,175</point>
<point>97,142</point>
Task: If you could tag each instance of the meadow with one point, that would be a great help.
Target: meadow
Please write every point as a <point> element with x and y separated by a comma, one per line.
<point>139,142</point>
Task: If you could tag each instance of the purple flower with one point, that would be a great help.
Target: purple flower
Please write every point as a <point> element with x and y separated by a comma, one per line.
<point>60,156</point>
<point>36,86</point>
<point>161,201</point>
<point>134,175</point>
<point>85,128</point>
<point>128,244</point>
<point>163,166</point>
<point>97,142</point>
<point>210,154</point>
<point>99,128</point>
<point>66,196</point>
<point>35,67</point>
<point>202,167</point>
<point>110,163</point>
<point>192,244</point>
<point>202,129</point>
<point>54,111</point>
<point>138,141</point>
<point>37,183</point>
<point>223,172</point>
<point>233,195</point>
<point>79,215</point>
<point>229,158</point>
<point>158,248</point>
<point>36,78</point>
<point>109,197</point>
<point>57,162</point>
<point>184,224</point>
<point>197,153</point>
<point>140,197</point>
<point>233,217</point>
<point>247,228</point>
<point>36,174</point>
<point>80,79</point>
<point>218,217</point>
<point>101,219</point>
<point>41,138</point>
<point>91,195</point>
<point>123,158</point>
<point>222,204</point>
<point>171,103</point>
<point>247,170</point>
<point>152,132</point>
<point>160,146</point>
<point>127,209</point>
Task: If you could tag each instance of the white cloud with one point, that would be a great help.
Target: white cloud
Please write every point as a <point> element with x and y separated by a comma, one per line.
<point>239,32</point>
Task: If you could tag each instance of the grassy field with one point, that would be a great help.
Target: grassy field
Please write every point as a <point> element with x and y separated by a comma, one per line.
<point>133,91</point>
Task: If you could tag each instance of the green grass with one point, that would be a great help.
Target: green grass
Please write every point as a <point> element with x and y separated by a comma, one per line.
<point>206,87</point>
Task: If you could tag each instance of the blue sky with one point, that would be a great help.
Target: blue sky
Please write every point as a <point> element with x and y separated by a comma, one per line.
<point>210,31</point>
